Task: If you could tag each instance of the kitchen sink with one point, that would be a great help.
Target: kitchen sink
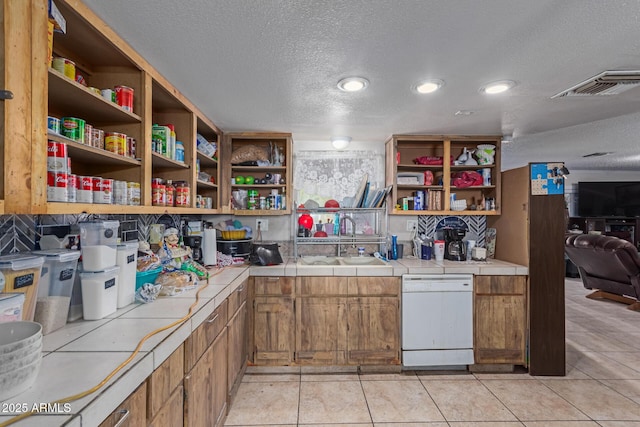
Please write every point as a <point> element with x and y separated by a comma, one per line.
<point>341,261</point>
<point>360,260</point>
<point>318,260</point>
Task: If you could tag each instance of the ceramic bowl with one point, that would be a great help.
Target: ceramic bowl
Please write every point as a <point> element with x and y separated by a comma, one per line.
<point>15,335</point>
<point>19,353</point>
<point>19,380</point>
<point>27,358</point>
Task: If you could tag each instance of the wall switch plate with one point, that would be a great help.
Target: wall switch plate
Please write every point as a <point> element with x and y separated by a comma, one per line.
<point>264,224</point>
<point>412,224</point>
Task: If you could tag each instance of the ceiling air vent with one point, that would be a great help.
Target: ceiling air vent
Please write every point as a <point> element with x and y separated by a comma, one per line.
<point>606,83</point>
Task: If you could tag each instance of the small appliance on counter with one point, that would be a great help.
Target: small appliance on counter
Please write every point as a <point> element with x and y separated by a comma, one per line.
<point>454,248</point>
<point>237,248</point>
<point>209,246</point>
<point>195,243</point>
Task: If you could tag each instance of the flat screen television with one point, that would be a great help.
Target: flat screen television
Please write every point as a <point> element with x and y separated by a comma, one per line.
<point>609,199</point>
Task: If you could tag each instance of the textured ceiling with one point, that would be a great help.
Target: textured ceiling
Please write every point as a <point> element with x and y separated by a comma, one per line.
<point>273,65</point>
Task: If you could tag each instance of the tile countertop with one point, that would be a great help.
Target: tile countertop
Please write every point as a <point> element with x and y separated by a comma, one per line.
<point>81,354</point>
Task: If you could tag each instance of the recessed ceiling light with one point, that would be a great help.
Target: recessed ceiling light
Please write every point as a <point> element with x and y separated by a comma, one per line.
<point>497,87</point>
<point>429,86</point>
<point>340,142</point>
<point>463,113</point>
<point>353,84</point>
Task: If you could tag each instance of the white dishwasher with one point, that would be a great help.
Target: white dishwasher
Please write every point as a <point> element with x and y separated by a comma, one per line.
<point>437,320</point>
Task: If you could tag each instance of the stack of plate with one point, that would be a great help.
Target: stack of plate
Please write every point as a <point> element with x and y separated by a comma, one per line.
<point>20,356</point>
<point>458,205</point>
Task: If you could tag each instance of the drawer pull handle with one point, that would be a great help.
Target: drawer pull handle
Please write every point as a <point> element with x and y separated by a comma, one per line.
<point>213,319</point>
<point>240,289</point>
<point>273,279</point>
<point>124,414</point>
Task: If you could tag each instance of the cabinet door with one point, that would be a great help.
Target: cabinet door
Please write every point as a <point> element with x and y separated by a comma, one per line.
<point>163,381</point>
<point>203,336</point>
<point>198,392</point>
<point>374,330</point>
<point>170,415</point>
<point>132,412</point>
<point>236,345</point>
<point>219,378</point>
<point>273,334</point>
<point>500,319</point>
<point>321,333</point>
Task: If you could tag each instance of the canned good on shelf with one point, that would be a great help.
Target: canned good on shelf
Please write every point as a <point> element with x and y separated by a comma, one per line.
<point>73,128</point>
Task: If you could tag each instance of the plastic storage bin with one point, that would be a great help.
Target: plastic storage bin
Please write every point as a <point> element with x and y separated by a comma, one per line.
<point>98,257</point>
<point>56,285</point>
<point>22,274</point>
<point>99,232</point>
<point>126,259</point>
<point>99,292</point>
<point>149,276</point>
<point>11,307</point>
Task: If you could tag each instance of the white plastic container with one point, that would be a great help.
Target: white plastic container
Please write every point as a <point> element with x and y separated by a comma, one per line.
<point>126,259</point>
<point>11,307</point>
<point>56,285</point>
<point>99,232</point>
<point>22,274</point>
<point>99,292</point>
<point>98,257</point>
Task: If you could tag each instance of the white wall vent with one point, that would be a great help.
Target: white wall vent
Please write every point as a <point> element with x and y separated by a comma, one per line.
<point>606,83</point>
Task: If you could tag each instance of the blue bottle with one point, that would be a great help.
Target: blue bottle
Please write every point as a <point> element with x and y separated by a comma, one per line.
<point>394,247</point>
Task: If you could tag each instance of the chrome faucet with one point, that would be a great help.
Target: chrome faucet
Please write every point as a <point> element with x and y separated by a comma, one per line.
<point>353,223</point>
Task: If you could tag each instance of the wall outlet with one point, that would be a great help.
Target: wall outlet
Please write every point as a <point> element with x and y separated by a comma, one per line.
<point>264,224</point>
<point>412,224</point>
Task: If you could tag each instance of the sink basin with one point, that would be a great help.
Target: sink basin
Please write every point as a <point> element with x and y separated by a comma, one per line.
<point>340,261</point>
<point>361,261</point>
<point>319,260</point>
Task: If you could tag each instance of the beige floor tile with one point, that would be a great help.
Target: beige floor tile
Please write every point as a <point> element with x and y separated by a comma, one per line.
<point>273,370</point>
<point>436,424</point>
<point>400,401</point>
<point>486,424</point>
<point>349,376</point>
<point>434,375</point>
<point>265,403</point>
<point>532,400</point>
<point>598,366</point>
<point>619,423</point>
<point>627,358</point>
<point>328,369</point>
<point>338,425</point>
<point>628,388</point>
<point>593,341</point>
<point>332,402</point>
<point>466,401</point>
<point>270,378</point>
<point>596,400</point>
<point>561,424</point>
<point>391,376</point>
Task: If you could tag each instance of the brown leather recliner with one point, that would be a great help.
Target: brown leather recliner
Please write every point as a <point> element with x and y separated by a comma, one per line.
<point>608,264</point>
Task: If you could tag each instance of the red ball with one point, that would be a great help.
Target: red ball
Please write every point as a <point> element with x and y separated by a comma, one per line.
<point>306,221</point>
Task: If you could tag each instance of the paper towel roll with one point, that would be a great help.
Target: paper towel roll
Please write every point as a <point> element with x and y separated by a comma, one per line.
<point>209,247</point>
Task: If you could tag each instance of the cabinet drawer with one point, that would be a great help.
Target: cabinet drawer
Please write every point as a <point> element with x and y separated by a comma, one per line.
<point>500,285</point>
<point>171,414</point>
<point>366,286</point>
<point>321,285</point>
<point>236,299</point>
<point>204,335</point>
<point>274,285</point>
<point>164,380</point>
<point>132,412</point>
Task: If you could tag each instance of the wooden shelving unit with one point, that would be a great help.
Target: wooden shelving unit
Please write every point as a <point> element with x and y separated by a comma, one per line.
<point>104,60</point>
<point>233,141</point>
<point>401,154</point>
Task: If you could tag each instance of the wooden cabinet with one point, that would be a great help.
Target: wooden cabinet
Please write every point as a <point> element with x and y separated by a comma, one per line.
<point>342,320</point>
<point>237,354</point>
<point>276,150</point>
<point>130,413</point>
<point>273,321</point>
<point>435,174</point>
<point>373,319</point>
<point>205,382</point>
<point>500,319</point>
<point>163,383</point>
<point>321,320</point>
<point>171,413</point>
<point>102,60</point>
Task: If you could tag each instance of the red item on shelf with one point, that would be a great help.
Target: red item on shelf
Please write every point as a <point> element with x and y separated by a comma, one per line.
<point>306,221</point>
<point>466,179</point>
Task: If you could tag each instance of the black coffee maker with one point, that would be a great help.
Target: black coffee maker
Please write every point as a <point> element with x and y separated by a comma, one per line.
<point>195,243</point>
<point>454,247</point>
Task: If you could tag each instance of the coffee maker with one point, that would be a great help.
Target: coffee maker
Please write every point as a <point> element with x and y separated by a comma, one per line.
<point>195,243</point>
<point>454,247</point>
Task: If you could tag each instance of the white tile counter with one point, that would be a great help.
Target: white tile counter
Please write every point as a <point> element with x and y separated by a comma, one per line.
<point>81,354</point>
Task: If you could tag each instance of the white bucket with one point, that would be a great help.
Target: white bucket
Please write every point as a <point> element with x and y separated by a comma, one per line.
<point>99,292</point>
<point>126,259</point>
